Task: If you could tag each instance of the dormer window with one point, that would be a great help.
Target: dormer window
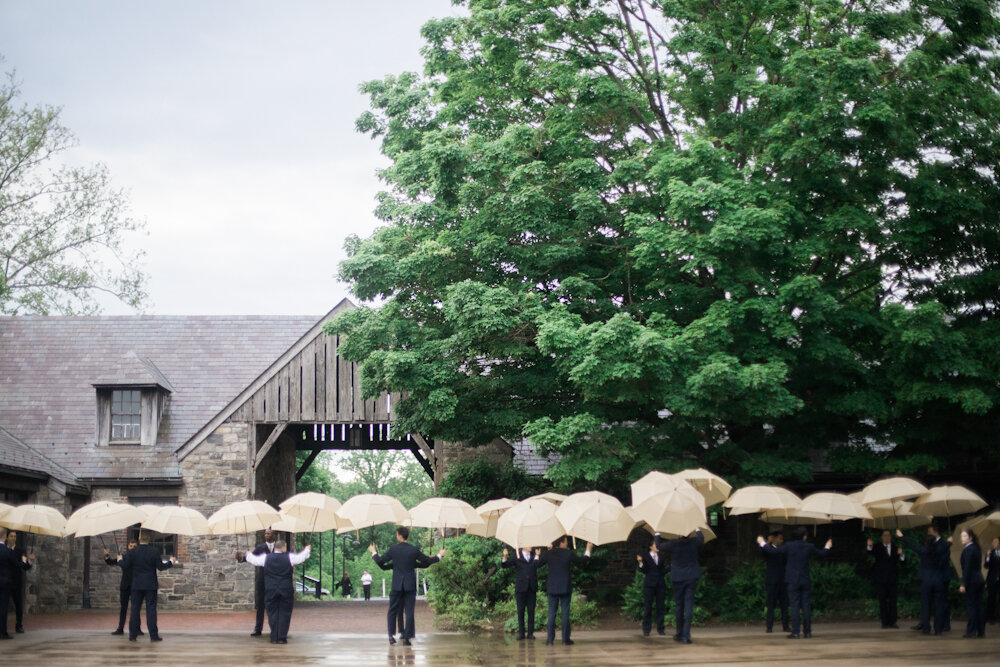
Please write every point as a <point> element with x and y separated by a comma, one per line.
<point>126,416</point>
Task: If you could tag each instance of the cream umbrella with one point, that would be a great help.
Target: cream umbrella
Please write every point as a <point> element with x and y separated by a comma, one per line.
<point>753,499</point>
<point>837,506</point>
<point>552,497</point>
<point>37,519</point>
<point>595,517</point>
<point>711,486</point>
<point>898,519</point>
<point>656,482</point>
<point>490,512</point>
<point>371,509</point>
<point>706,530</point>
<point>986,527</point>
<point>3,509</point>
<point>316,510</point>
<point>103,517</point>
<point>290,524</point>
<point>678,512</point>
<point>243,517</point>
<point>445,513</point>
<point>889,489</point>
<point>948,501</point>
<point>530,523</point>
<point>794,518</point>
<point>176,520</point>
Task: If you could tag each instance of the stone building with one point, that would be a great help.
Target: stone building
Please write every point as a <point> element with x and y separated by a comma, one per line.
<point>199,411</point>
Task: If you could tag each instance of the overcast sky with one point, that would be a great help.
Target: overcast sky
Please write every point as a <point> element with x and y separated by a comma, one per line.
<point>231,125</point>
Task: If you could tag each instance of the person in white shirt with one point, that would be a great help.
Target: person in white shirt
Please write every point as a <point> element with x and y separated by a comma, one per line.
<point>279,586</point>
<point>366,584</point>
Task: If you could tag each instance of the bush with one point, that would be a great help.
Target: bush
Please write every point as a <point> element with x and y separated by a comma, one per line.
<point>583,613</point>
<point>466,586</point>
<point>837,589</point>
<point>744,598</point>
<point>632,601</point>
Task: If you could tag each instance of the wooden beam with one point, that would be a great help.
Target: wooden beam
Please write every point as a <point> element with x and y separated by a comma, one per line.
<point>305,464</point>
<point>423,462</point>
<point>271,439</point>
<point>424,447</point>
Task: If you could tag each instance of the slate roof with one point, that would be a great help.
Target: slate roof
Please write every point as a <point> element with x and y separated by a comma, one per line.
<point>529,460</point>
<point>49,366</point>
<point>17,456</point>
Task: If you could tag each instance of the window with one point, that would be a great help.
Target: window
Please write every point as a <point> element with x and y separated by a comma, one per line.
<point>126,415</point>
<point>166,544</point>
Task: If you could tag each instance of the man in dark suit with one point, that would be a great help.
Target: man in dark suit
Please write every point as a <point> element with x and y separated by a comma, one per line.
<point>992,580</point>
<point>774,581</point>
<point>404,558</point>
<point>684,574</point>
<point>799,551</point>
<point>262,549</point>
<point>933,580</point>
<point>559,585</point>
<point>885,572</point>
<point>8,563</point>
<point>279,586</point>
<point>653,566</point>
<point>525,566</point>
<point>125,587</point>
<point>145,561</point>
<point>17,579</point>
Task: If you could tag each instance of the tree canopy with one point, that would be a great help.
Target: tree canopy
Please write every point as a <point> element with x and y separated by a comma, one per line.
<point>645,233</point>
<point>62,228</point>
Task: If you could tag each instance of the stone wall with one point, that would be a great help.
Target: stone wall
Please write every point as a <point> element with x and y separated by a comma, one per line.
<point>51,581</point>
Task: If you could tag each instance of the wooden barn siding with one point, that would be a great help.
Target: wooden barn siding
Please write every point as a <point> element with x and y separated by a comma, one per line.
<point>317,385</point>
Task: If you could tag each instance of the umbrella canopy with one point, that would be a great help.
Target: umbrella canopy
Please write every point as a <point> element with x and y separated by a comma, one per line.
<point>490,512</point>
<point>103,517</point>
<point>677,512</point>
<point>318,511</point>
<point>656,482</point>
<point>3,509</point>
<point>370,509</point>
<point>706,531</point>
<point>837,506</point>
<point>901,517</point>
<point>753,499</point>
<point>245,516</point>
<point>986,527</point>
<point>889,489</point>
<point>794,518</point>
<point>948,501</point>
<point>708,484</point>
<point>530,523</point>
<point>595,517</point>
<point>37,519</point>
<point>176,520</point>
<point>445,513</point>
<point>554,498</point>
<point>290,524</point>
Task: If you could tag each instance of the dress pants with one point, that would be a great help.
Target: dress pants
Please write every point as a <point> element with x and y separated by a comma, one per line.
<point>555,601</point>
<point>651,594</point>
<point>124,595</point>
<point>888,595</point>
<point>401,605</point>
<point>992,591</point>
<point>933,596</point>
<point>260,604</point>
<point>684,606</point>
<point>138,596</point>
<point>368,591</point>
<point>17,596</point>
<point>777,594</point>
<point>799,599</point>
<point>974,610</point>
<point>278,603</point>
<point>4,603</point>
<point>526,602</point>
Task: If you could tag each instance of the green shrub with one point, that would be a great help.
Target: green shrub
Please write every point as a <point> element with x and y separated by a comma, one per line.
<point>743,598</point>
<point>467,584</point>
<point>583,613</point>
<point>837,588</point>
<point>632,601</point>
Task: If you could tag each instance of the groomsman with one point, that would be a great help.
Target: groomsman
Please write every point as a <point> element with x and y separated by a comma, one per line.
<point>525,566</point>
<point>886,575</point>
<point>279,586</point>
<point>262,549</point>
<point>684,575</point>
<point>17,579</point>
<point>559,585</point>
<point>653,566</point>
<point>8,563</point>
<point>124,587</point>
<point>145,561</point>
<point>774,580</point>
<point>992,580</point>
<point>403,558</point>
<point>797,577</point>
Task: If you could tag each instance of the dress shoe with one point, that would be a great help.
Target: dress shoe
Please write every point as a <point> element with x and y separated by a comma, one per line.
<point>808,635</point>
<point>141,634</point>
<point>645,633</point>
<point>119,631</point>
<point>686,640</point>
<point>677,638</point>
<point>155,638</point>
<point>19,630</point>
<point>405,641</point>
<point>768,630</point>
<point>282,641</point>
<point>793,636</point>
<point>968,636</point>
<point>520,636</point>
<point>892,626</point>
<point>5,636</point>
<point>256,634</point>
<point>530,635</point>
<point>786,628</point>
<point>132,639</point>
<point>274,641</point>
<point>549,642</point>
<point>392,640</point>
<point>917,627</point>
<point>568,642</point>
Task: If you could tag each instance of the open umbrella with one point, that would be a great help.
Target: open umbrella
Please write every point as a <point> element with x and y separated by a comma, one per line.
<point>490,512</point>
<point>37,519</point>
<point>897,514</point>
<point>530,523</point>
<point>371,509</point>
<point>656,482</point>
<point>711,486</point>
<point>316,510</point>
<point>889,489</point>
<point>986,527</point>
<point>948,501</point>
<point>103,517</point>
<point>794,518</point>
<point>242,517</point>
<point>290,524</point>
<point>176,520</point>
<point>445,513</point>
<point>706,530</point>
<point>753,499</point>
<point>837,506</point>
<point>3,509</point>
<point>677,512</point>
<point>595,517</point>
<point>550,496</point>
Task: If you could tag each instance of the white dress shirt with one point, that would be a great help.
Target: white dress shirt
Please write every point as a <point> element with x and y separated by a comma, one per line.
<point>296,559</point>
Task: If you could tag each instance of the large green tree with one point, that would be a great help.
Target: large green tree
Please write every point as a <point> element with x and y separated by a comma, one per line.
<point>643,233</point>
<point>63,229</point>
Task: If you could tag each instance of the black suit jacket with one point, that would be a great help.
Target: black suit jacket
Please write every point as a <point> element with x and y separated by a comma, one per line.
<point>127,567</point>
<point>933,560</point>
<point>145,561</point>
<point>653,571</point>
<point>972,563</point>
<point>886,568</point>
<point>683,556</point>
<point>992,567</point>
<point>525,572</point>
<point>797,568</point>
<point>403,558</point>
<point>776,563</point>
<point>560,561</point>
<point>10,563</point>
<point>22,566</point>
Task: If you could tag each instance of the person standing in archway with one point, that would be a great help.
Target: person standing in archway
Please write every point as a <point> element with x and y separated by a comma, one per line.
<point>403,558</point>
